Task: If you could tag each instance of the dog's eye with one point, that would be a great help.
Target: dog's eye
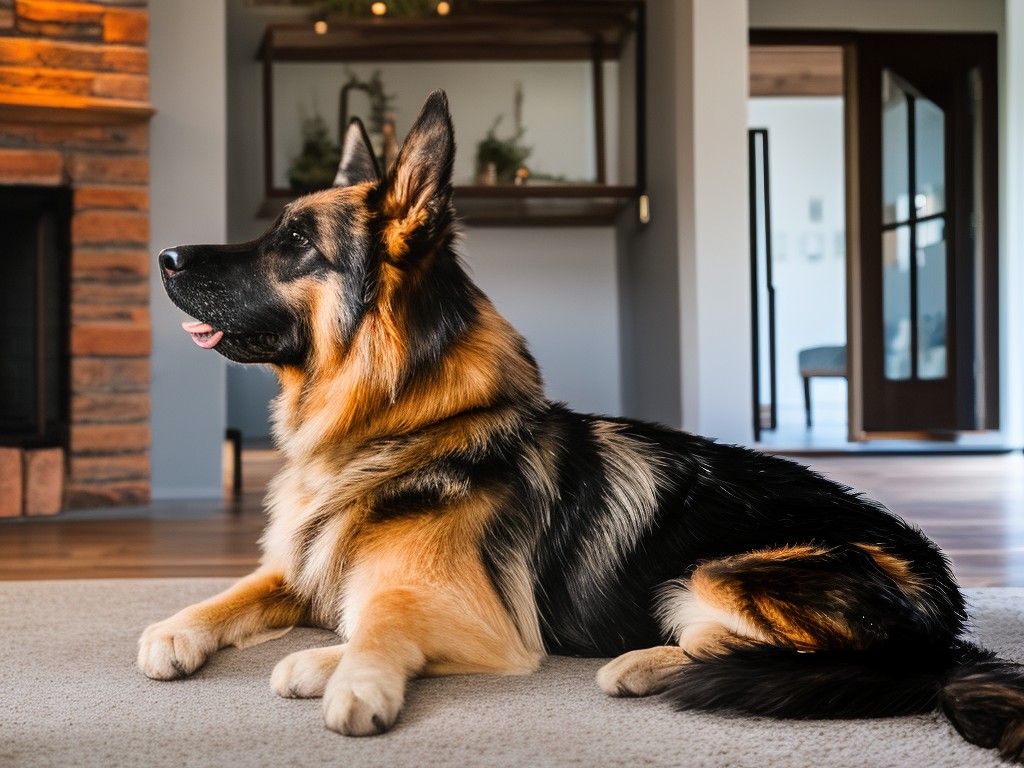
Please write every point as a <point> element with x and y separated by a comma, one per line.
<point>299,239</point>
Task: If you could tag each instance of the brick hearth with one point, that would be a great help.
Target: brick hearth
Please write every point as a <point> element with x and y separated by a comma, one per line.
<point>74,111</point>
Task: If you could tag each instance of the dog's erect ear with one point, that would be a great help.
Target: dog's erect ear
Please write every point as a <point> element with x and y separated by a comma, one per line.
<point>358,163</point>
<point>419,188</point>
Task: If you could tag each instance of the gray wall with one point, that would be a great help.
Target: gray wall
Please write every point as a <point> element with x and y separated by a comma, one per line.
<point>686,275</point>
<point>717,368</point>
<point>558,288</point>
<point>187,202</point>
<point>649,254</point>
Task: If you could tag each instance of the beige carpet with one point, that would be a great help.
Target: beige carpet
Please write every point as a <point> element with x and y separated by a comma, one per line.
<point>70,696</point>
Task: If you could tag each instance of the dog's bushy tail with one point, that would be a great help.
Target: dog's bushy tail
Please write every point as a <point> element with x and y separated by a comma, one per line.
<point>983,696</point>
<point>984,700</point>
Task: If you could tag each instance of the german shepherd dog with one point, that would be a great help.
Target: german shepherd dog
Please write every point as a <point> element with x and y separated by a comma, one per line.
<point>442,517</point>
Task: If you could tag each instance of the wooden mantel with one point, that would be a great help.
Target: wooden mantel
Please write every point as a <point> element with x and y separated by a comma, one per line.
<point>78,110</point>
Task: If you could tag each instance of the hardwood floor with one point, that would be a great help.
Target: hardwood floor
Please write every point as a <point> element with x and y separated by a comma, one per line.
<point>972,506</point>
<point>169,538</point>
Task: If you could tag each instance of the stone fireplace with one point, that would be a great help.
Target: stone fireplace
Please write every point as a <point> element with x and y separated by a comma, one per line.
<point>74,115</point>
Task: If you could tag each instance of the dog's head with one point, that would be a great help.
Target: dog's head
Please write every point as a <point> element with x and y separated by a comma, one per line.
<point>373,246</point>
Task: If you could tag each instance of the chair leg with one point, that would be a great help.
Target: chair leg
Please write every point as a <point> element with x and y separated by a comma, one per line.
<point>807,400</point>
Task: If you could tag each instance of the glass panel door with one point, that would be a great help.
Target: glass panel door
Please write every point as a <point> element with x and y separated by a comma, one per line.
<point>915,293</point>
<point>923,304</point>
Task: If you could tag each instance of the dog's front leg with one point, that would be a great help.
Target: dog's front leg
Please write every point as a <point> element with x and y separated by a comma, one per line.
<point>257,608</point>
<point>390,645</point>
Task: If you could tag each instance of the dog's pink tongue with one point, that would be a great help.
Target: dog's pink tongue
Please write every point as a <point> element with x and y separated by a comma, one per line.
<point>203,334</point>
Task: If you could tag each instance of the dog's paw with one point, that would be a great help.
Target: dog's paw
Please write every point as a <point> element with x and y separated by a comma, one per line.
<point>641,673</point>
<point>304,674</point>
<point>362,703</point>
<point>171,649</point>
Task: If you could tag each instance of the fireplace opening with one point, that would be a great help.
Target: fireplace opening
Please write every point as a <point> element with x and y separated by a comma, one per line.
<point>35,246</point>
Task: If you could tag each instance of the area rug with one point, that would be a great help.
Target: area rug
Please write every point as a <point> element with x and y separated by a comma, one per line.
<point>70,695</point>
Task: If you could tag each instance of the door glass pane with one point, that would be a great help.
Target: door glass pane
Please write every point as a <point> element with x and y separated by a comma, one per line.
<point>895,153</point>
<point>931,299</point>
<point>896,301</point>
<point>930,157</point>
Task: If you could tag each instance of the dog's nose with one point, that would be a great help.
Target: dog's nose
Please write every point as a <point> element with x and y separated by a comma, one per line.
<point>172,260</point>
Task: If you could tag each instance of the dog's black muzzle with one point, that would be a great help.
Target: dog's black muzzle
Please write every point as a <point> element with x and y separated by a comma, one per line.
<point>229,292</point>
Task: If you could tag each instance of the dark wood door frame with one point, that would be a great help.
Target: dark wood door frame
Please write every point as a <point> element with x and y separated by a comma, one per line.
<point>759,187</point>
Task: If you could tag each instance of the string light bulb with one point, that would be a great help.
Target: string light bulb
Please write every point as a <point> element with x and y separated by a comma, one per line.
<point>379,9</point>
<point>320,27</point>
<point>443,8</point>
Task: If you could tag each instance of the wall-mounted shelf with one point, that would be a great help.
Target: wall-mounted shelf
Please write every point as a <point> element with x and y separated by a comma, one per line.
<point>551,205</point>
<point>531,30</point>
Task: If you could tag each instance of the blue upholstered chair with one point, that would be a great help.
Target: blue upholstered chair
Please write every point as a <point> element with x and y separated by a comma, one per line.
<point>820,361</point>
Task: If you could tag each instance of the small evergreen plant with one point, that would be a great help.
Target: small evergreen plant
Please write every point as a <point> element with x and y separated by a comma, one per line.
<point>317,164</point>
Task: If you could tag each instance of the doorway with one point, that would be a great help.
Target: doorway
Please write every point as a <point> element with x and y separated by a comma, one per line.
<point>874,239</point>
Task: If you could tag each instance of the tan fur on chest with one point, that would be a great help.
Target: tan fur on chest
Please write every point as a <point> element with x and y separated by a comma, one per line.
<point>338,557</point>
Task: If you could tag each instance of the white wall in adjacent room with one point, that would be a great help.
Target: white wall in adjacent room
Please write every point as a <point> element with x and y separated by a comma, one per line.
<point>805,154</point>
